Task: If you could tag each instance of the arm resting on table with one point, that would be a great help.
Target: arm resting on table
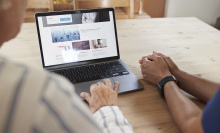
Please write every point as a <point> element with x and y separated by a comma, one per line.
<point>196,86</point>
<point>185,113</point>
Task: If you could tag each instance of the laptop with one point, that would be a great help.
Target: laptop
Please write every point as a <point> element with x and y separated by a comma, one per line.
<point>82,45</point>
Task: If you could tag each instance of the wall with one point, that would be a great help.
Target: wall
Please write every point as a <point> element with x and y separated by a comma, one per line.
<point>206,10</point>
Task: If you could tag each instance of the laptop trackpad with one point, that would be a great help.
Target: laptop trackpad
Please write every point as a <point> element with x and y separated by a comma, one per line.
<point>85,86</point>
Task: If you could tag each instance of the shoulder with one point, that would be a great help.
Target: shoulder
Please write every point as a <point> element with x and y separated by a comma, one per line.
<point>8,66</point>
<point>15,75</point>
<point>26,93</point>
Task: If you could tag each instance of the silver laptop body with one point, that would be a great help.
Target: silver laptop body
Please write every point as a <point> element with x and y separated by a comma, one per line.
<point>82,39</point>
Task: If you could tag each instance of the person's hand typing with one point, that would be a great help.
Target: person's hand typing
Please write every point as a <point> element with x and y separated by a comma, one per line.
<point>101,94</point>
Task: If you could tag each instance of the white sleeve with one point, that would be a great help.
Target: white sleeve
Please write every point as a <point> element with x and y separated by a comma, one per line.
<point>112,120</point>
<point>60,110</point>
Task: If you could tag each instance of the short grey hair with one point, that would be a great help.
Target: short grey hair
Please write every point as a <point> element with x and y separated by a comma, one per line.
<point>5,4</point>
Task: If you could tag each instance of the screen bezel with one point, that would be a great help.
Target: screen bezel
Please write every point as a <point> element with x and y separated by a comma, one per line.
<point>79,62</point>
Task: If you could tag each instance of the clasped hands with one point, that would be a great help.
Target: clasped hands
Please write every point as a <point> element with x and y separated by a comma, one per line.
<point>154,67</point>
<point>157,66</point>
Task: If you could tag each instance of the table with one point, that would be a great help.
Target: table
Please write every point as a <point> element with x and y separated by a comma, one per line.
<point>191,43</point>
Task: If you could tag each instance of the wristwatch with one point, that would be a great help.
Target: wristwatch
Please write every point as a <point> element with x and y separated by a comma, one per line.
<point>163,82</point>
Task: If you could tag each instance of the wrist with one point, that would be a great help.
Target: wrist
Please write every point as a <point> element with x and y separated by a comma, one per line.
<point>161,84</point>
<point>162,76</point>
<point>104,108</point>
<point>169,84</point>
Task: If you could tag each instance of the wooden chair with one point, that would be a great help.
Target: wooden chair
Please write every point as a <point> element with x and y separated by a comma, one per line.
<point>126,5</point>
<point>35,6</point>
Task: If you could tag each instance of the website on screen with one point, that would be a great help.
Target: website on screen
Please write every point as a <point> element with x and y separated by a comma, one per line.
<point>77,37</point>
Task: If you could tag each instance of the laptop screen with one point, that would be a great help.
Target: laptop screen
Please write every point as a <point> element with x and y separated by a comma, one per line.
<point>77,37</point>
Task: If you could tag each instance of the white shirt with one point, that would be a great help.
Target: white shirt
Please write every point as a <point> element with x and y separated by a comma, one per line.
<point>40,102</point>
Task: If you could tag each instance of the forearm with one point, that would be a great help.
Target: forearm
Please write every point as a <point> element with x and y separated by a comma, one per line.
<point>111,119</point>
<point>196,86</point>
<point>182,109</point>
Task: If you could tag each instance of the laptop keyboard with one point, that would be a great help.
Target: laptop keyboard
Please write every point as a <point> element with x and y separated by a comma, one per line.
<point>93,72</point>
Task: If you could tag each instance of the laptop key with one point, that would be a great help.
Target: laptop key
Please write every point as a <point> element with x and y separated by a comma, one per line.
<point>93,72</point>
<point>115,74</point>
<point>125,73</point>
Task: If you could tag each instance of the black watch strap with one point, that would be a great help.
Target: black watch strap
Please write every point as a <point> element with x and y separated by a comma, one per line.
<point>163,82</point>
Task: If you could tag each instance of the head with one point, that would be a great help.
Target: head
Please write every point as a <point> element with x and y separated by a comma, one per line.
<point>11,18</point>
